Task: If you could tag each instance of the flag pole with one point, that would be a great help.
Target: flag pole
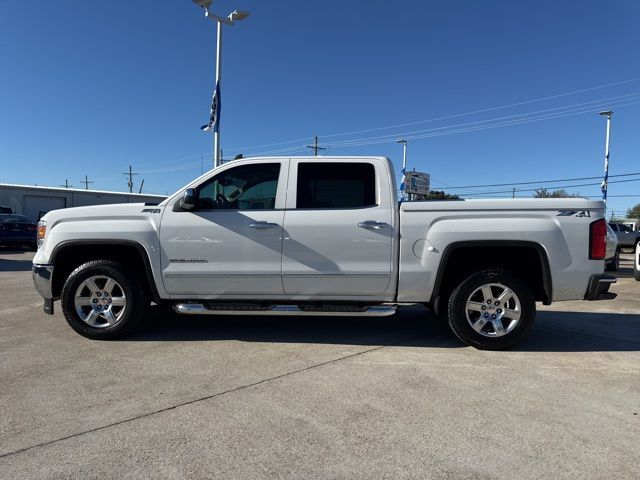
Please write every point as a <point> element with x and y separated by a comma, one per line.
<point>404,166</point>
<point>605,181</point>
<point>216,132</point>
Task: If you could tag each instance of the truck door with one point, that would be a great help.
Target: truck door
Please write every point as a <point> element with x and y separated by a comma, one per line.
<point>230,244</point>
<point>338,229</point>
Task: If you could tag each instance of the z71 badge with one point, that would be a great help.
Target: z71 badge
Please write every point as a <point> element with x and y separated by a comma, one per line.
<point>574,213</point>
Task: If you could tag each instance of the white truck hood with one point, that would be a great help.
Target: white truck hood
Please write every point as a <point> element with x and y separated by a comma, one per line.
<point>116,211</point>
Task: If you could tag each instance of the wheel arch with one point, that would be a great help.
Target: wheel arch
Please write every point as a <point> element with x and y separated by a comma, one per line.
<point>68,255</point>
<point>459,258</point>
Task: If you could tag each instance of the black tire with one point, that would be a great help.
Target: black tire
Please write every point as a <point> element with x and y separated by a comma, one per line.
<point>614,264</point>
<point>134,309</point>
<point>461,326</point>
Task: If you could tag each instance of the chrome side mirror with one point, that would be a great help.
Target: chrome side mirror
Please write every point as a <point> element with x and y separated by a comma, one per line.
<point>187,202</point>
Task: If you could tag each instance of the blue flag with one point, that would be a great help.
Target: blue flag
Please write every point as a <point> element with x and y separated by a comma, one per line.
<point>214,115</point>
<point>605,180</point>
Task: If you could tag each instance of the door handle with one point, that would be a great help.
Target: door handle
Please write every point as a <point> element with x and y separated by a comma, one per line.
<point>373,225</point>
<point>263,225</point>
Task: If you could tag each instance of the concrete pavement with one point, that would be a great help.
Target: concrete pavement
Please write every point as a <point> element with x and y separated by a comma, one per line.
<point>243,397</point>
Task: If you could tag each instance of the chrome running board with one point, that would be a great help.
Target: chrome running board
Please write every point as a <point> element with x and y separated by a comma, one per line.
<point>282,310</point>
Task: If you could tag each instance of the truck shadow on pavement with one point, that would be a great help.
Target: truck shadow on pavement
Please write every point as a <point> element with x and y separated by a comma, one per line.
<point>413,327</point>
<point>164,325</point>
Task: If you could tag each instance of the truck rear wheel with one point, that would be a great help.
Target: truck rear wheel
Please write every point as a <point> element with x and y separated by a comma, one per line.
<point>491,310</point>
<point>103,300</point>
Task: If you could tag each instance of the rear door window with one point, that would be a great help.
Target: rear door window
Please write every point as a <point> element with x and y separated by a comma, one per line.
<point>336,185</point>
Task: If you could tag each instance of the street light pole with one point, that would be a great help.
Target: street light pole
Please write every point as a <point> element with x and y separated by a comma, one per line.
<point>233,17</point>
<point>404,164</point>
<point>605,181</point>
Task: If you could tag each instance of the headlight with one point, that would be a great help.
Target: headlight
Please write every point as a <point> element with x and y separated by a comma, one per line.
<point>42,231</point>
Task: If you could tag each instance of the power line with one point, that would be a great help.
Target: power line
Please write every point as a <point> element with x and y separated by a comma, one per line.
<point>453,130</point>
<point>629,97</point>
<point>534,189</point>
<point>509,120</point>
<point>619,196</point>
<point>483,125</point>
<point>446,117</point>
<point>450,129</point>
<point>538,182</point>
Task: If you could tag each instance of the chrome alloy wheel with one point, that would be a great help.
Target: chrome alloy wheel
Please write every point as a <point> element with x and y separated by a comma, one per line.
<point>100,301</point>
<point>493,310</point>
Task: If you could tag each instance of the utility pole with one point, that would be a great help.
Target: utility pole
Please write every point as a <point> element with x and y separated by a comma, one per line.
<point>315,146</point>
<point>605,180</point>
<point>130,173</point>
<point>86,182</point>
<point>140,191</point>
<point>513,195</point>
<point>66,184</point>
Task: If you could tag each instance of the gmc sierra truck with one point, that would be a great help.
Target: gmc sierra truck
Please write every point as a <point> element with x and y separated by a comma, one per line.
<point>320,236</point>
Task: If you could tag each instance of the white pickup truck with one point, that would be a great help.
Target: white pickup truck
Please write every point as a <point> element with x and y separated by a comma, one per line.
<point>320,236</point>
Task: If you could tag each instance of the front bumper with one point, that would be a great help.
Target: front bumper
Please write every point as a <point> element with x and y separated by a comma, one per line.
<point>599,287</point>
<point>42,278</point>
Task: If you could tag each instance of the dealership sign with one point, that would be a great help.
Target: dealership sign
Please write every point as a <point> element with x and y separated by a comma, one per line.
<point>417,183</point>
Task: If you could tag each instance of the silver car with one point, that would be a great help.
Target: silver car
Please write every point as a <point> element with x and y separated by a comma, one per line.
<point>612,258</point>
<point>627,238</point>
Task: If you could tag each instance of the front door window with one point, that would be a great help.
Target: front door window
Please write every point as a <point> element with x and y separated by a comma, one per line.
<point>248,187</point>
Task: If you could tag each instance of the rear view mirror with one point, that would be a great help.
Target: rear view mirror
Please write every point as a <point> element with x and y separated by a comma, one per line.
<point>188,200</point>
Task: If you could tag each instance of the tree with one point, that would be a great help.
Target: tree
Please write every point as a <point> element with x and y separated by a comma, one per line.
<point>634,212</point>
<point>561,193</point>
<point>440,195</point>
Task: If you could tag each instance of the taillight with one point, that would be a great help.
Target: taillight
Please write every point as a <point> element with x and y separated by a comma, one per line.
<point>598,240</point>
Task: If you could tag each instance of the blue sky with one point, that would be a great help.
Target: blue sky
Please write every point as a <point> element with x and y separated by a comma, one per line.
<point>93,87</point>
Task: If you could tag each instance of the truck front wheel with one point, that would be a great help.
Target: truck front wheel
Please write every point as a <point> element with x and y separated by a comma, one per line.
<point>103,300</point>
<point>491,310</point>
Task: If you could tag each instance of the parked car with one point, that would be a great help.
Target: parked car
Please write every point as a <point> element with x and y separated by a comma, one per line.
<point>612,259</point>
<point>636,263</point>
<point>320,236</point>
<point>627,238</point>
<point>17,230</point>
<point>4,209</point>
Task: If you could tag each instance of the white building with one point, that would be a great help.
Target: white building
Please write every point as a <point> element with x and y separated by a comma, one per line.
<point>36,201</point>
